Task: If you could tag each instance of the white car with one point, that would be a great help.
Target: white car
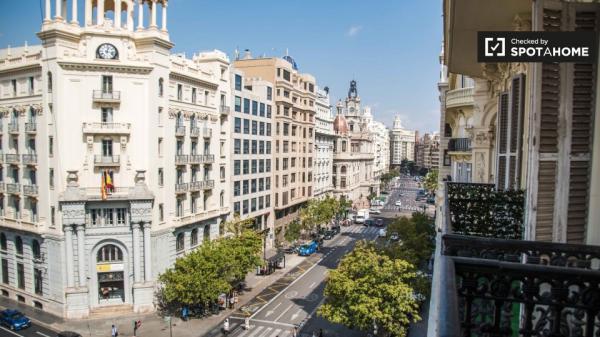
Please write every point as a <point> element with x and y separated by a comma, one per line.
<point>374,211</point>
<point>398,203</point>
<point>382,233</point>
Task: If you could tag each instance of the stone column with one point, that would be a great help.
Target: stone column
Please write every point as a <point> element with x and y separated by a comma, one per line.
<point>136,252</point>
<point>47,11</point>
<point>100,13</point>
<point>164,16</point>
<point>88,12</point>
<point>69,255</point>
<point>81,255</point>
<point>153,15</point>
<point>64,9</point>
<point>140,15</point>
<point>74,13</point>
<point>58,10</point>
<point>147,259</point>
<point>118,14</point>
<point>130,18</point>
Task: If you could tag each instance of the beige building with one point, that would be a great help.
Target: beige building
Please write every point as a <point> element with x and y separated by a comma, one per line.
<point>294,120</point>
<point>402,143</point>
<point>427,151</point>
<point>353,157</point>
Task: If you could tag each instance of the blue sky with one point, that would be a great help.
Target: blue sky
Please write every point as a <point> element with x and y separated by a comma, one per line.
<point>390,47</point>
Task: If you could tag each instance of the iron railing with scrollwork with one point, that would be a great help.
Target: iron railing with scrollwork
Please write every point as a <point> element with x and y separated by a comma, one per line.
<point>488,286</point>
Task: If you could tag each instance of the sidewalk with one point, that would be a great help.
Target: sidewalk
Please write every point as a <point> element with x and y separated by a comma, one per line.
<point>152,324</point>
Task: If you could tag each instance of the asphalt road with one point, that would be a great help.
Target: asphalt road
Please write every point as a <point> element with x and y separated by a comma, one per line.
<point>33,331</point>
<point>405,190</point>
<point>296,305</point>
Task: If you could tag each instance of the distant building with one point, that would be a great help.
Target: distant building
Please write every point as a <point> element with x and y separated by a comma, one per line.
<point>324,139</point>
<point>427,150</point>
<point>402,144</point>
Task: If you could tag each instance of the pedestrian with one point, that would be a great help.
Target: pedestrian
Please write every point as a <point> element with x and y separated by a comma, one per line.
<point>247,323</point>
<point>184,313</point>
<point>231,302</point>
<point>113,331</point>
<point>226,326</point>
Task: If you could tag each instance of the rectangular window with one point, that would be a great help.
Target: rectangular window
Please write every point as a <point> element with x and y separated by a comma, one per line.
<point>269,93</point>
<point>51,177</point>
<point>14,87</point>
<point>193,95</point>
<point>179,92</point>
<point>262,110</point>
<point>107,84</point>
<point>107,147</point>
<point>261,128</point>
<point>161,213</point>
<point>246,168</point>
<point>254,127</point>
<point>268,111</point>
<point>261,184</point>
<point>261,166</point>
<point>286,75</point>
<point>261,147</point>
<point>246,146</point>
<point>253,208</point>
<point>52,215</point>
<point>160,146</point>
<point>121,216</point>
<point>253,186</point>
<point>254,168</point>
<point>245,207</point>
<point>236,168</point>
<point>237,128</point>
<point>261,203</point>
<point>20,276</point>
<point>268,165</point>
<point>237,146</point>
<point>267,183</point>
<point>238,104</point>
<point>268,200</point>
<point>50,146</point>
<point>255,108</point>
<point>161,177</point>
<point>268,129</point>
<point>245,187</point>
<point>236,189</point>
<point>246,105</point>
<point>236,207</point>
<point>246,126</point>
<point>5,277</point>
<point>238,82</point>
<point>254,150</point>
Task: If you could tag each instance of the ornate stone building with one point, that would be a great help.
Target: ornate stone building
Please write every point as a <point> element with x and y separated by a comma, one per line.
<point>115,157</point>
<point>324,139</point>
<point>402,143</point>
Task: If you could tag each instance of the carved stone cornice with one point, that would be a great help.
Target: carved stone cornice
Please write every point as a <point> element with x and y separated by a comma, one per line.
<point>193,80</point>
<point>188,114</point>
<point>73,213</point>
<point>105,67</point>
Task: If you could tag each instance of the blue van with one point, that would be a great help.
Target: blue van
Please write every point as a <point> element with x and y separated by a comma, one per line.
<point>308,248</point>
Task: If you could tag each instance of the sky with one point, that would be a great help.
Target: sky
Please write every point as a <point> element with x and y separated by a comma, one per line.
<point>390,47</point>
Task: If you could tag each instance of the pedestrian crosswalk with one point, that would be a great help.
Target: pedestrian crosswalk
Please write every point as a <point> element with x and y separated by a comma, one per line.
<point>360,229</point>
<point>265,331</point>
<point>392,207</point>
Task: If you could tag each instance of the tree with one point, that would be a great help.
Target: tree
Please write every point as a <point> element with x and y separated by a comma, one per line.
<point>415,243</point>
<point>237,225</point>
<point>369,287</point>
<point>431,181</point>
<point>292,232</point>
<point>317,212</point>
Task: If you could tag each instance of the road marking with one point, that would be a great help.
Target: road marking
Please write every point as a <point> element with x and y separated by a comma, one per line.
<point>43,334</point>
<point>283,313</point>
<point>255,331</point>
<point>274,323</point>
<point>266,332</point>
<point>312,285</point>
<point>296,314</point>
<point>276,333</point>
<point>14,333</point>
<point>270,312</point>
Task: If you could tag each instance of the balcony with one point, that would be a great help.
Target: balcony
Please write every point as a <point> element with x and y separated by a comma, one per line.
<point>31,127</point>
<point>181,188</point>
<point>13,127</point>
<point>11,158</point>
<point>459,145</point>
<point>208,158</point>
<point>179,131</point>
<point>224,109</point>
<point>195,186</point>
<point>195,159</point>
<point>206,132</point>
<point>107,128</point>
<point>101,160</point>
<point>181,159</point>
<point>13,188</point>
<point>30,159</point>
<point>208,184</point>
<point>100,96</point>
<point>30,190</point>
<point>194,131</point>
<point>459,97</point>
<point>489,282</point>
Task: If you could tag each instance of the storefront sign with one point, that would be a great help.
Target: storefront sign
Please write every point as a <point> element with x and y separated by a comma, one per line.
<point>103,268</point>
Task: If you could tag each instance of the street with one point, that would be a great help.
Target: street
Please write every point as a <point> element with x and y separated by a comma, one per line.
<point>296,304</point>
<point>405,190</point>
<point>33,331</point>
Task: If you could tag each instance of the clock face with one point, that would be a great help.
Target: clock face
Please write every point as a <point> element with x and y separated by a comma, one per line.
<point>107,51</point>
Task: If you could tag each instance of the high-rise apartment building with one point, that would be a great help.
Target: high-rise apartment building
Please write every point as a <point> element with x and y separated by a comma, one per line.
<point>294,119</point>
<point>115,158</point>
<point>324,139</point>
<point>402,143</point>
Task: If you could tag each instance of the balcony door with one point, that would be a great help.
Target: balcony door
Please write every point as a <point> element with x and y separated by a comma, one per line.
<point>107,148</point>
<point>107,84</point>
<point>107,115</point>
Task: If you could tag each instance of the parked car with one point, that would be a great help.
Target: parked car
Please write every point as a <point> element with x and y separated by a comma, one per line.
<point>374,211</point>
<point>398,203</point>
<point>431,200</point>
<point>336,229</point>
<point>308,248</point>
<point>394,236</point>
<point>14,319</point>
<point>382,233</point>
<point>379,222</point>
<point>328,235</point>
<point>369,222</point>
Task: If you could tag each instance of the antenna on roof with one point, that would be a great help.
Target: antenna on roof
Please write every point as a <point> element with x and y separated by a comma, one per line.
<point>287,52</point>
<point>236,54</point>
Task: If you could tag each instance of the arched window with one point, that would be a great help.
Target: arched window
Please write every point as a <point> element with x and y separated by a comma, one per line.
<point>344,146</point>
<point>194,237</point>
<point>206,233</point>
<point>3,244</point>
<point>343,170</point>
<point>35,248</point>
<point>179,242</point>
<point>222,199</point>
<point>161,86</point>
<point>49,77</point>
<point>19,245</point>
<point>109,253</point>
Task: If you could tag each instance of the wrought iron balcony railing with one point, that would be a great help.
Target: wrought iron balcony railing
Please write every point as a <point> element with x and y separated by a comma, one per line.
<point>208,184</point>
<point>31,127</point>
<point>181,159</point>
<point>224,109</point>
<point>106,96</point>
<point>13,127</point>
<point>181,188</point>
<point>11,158</point>
<point>179,130</point>
<point>194,131</point>
<point>30,190</point>
<point>13,188</point>
<point>206,132</point>
<point>30,159</point>
<point>486,286</point>
<point>102,160</point>
<point>459,144</point>
<point>208,158</point>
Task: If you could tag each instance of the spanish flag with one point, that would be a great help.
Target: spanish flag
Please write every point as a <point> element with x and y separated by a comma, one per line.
<point>108,181</point>
<point>103,186</point>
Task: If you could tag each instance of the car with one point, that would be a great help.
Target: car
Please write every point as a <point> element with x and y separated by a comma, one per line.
<point>308,248</point>
<point>336,229</point>
<point>379,222</point>
<point>382,233</point>
<point>394,236</point>
<point>398,203</point>
<point>369,222</point>
<point>14,319</point>
<point>431,200</point>
<point>328,235</point>
<point>374,211</point>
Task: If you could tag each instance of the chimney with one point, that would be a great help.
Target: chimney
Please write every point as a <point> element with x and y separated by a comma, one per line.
<point>247,54</point>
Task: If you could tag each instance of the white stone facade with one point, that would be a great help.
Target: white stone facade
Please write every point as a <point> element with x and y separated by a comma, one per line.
<point>324,139</point>
<point>381,148</point>
<point>102,99</point>
<point>402,143</point>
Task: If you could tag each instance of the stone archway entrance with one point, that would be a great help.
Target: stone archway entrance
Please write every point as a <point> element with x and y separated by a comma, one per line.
<point>110,273</point>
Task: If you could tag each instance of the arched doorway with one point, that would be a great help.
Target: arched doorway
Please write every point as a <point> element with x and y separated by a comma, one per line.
<point>110,273</point>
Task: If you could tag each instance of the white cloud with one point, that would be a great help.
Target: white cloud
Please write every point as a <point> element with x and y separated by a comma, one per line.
<point>354,30</point>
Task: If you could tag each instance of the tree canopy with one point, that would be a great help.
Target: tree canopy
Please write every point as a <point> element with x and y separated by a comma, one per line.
<point>431,181</point>
<point>370,287</point>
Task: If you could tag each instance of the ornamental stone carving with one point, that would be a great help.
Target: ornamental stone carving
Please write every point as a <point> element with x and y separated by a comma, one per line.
<point>73,213</point>
<point>141,211</point>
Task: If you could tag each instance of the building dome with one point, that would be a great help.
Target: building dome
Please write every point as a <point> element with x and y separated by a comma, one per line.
<point>340,125</point>
<point>291,61</point>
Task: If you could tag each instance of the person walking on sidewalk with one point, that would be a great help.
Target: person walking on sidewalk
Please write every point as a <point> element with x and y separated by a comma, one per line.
<point>113,331</point>
<point>226,326</point>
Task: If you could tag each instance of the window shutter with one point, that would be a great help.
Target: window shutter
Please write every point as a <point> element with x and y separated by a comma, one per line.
<point>502,132</point>
<point>584,87</point>
<point>548,136</point>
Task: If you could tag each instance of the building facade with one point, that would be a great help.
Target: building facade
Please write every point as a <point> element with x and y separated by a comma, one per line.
<point>427,151</point>
<point>381,148</point>
<point>402,143</point>
<point>294,119</point>
<point>252,154</point>
<point>324,139</point>
<point>115,158</point>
